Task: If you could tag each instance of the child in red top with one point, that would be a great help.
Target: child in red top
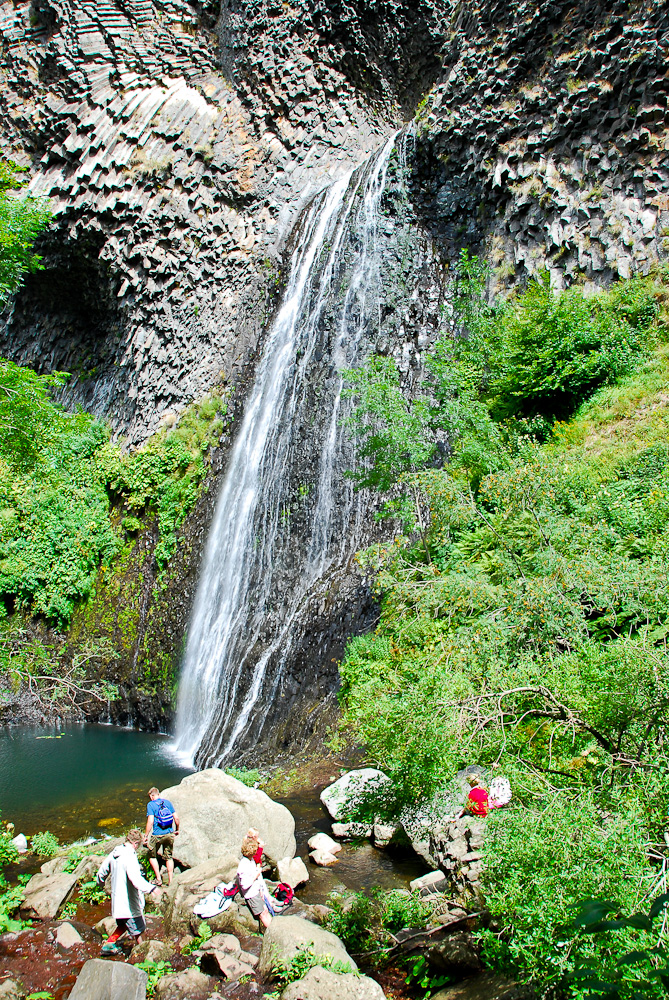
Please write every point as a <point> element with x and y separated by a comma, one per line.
<point>477,801</point>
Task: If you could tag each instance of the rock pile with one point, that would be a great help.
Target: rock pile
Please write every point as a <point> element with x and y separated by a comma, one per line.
<point>457,850</point>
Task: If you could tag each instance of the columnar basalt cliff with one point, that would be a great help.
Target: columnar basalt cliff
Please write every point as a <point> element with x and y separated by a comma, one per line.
<point>180,144</point>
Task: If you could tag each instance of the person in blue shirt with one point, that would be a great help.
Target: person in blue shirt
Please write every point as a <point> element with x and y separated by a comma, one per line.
<point>162,826</point>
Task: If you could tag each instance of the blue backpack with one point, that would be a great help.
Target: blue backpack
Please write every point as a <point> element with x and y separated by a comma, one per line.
<point>164,817</point>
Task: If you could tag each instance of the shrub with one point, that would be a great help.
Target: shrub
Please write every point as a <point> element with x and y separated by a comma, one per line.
<point>250,777</point>
<point>350,919</point>
<point>400,908</point>
<point>92,893</point>
<point>155,971</point>
<point>44,845</point>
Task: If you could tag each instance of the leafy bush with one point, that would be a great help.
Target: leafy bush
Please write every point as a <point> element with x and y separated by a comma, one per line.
<point>400,908</point>
<point>59,474</point>
<point>204,933</point>
<point>539,862</point>
<point>350,918</point>
<point>21,221</point>
<point>299,965</point>
<point>524,614</point>
<point>642,972</point>
<point>44,845</point>
<point>251,777</point>
<point>92,893</point>
<point>155,971</point>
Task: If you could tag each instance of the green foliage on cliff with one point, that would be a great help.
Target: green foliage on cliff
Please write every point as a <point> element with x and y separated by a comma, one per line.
<point>525,614</point>
<point>59,477</point>
<point>22,219</point>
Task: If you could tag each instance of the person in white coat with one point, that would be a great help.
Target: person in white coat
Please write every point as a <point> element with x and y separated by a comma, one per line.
<point>128,887</point>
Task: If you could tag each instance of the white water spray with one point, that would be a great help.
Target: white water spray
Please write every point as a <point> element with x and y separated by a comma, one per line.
<point>257,573</point>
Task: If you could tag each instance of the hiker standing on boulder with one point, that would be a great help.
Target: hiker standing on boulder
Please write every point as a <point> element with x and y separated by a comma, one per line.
<point>250,881</point>
<point>128,887</point>
<point>162,826</point>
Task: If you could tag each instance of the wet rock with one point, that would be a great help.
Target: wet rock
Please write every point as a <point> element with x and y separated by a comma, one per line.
<point>189,985</point>
<point>352,790</point>
<point>216,812</point>
<point>109,981</point>
<point>351,831</point>
<point>68,936</point>
<point>151,951</point>
<point>45,894</point>
<point>321,984</point>
<point>288,935</point>
<point>321,842</point>
<point>293,872</point>
<point>20,842</point>
<point>322,858</point>
<point>384,833</point>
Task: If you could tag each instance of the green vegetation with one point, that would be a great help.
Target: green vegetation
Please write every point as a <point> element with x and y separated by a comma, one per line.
<point>203,934</point>
<point>60,475</point>
<point>44,845</point>
<point>92,893</point>
<point>368,923</point>
<point>524,611</point>
<point>632,974</point>
<point>299,965</point>
<point>251,777</point>
<point>10,896</point>
<point>155,971</point>
<point>22,219</point>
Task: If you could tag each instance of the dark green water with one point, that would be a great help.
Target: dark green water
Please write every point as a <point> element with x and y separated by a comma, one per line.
<point>82,779</point>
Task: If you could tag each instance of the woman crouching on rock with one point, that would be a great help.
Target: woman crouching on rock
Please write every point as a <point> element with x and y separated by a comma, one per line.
<point>250,880</point>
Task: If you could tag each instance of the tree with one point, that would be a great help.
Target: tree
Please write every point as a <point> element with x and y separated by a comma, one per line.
<point>22,219</point>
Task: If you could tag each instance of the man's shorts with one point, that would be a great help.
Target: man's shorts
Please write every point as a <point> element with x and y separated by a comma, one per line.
<point>133,925</point>
<point>164,841</point>
<point>256,904</point>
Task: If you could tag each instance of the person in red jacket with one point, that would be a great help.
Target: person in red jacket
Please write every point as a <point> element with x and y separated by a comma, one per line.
<point>477,801</point>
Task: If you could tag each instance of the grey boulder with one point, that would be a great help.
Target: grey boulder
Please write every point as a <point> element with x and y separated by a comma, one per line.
<point>354,789</point>
<point>286,936</point>
<point>151,951</point>
<point>216,812</point>
<point>189,887</point>
<point>68,936</point>
<point>321,984</point>
<point>103,980</point>
<point>45,894</point>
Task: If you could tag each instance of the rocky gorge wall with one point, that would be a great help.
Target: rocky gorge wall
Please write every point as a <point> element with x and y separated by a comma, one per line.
<point>179,143</point>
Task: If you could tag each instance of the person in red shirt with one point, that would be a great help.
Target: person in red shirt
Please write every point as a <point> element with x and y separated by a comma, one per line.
<point>477,801</point>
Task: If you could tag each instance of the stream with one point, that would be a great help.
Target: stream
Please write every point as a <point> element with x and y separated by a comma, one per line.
<point>90,780</point>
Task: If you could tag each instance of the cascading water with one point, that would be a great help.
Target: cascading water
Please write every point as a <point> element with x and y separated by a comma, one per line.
<point>274,537</point>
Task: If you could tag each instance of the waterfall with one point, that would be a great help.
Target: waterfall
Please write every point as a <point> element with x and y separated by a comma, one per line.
<point>286,514</point>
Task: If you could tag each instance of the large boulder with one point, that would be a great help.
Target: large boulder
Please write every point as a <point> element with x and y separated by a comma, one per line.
<point>45,894</point>
<point>189,887</point>
<point>321,984</point>
<point>216,812</point>
<point>353,790</point>
<point>286,936</point>
<point>103,980</point>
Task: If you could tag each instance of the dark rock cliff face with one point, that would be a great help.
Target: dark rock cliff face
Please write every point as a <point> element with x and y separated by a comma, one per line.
<point>180,142</point>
